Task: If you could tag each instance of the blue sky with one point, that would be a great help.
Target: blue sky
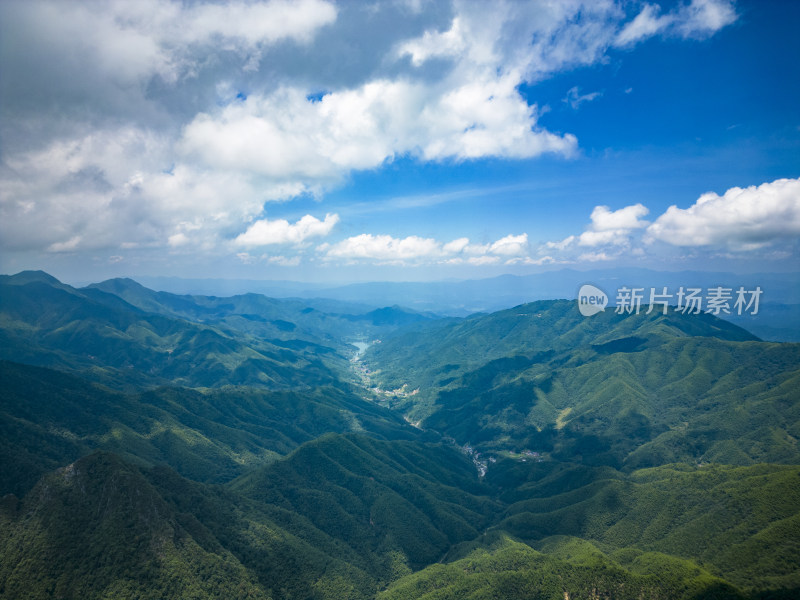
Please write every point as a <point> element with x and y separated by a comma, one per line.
<point>398,140</point>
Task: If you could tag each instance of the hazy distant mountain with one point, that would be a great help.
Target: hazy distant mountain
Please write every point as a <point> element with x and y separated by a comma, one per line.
<point>778,318</point>
<point>328,323</point>
<point>120,332</point>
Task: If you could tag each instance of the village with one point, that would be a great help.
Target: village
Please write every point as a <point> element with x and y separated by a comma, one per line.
<point>481,463</point>
<point>364,374</point>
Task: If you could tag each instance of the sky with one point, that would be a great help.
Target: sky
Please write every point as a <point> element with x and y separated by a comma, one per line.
<point>410,140</point>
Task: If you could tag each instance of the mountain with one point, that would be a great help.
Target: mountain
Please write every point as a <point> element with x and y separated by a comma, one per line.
<point>156,445</point>
<point>347,516</point>
<point>571,568</point>
<point>777,319</point>
<point>627,390</point>
<point>123,334</point>
<point>97,528</point>
<point>49,418</point>
<point>282,321</point>
<point>719,516</point>
<point>384,499</point>
<point>345,524</point>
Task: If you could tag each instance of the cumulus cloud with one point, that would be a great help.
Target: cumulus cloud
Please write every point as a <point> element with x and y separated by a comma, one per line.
<point>511,245</point>
<point>609,235</point>
<point>742,218</point>
<point>382,248</point>
<point>436,44</point>
<point>287,135</point>
<point>629,217</point>
<point>279,231</point>
<point>417,250</point>
<point>763,219</point>
<point>256,23</point>
<point>129,42</point>
<point>613,227</point>
<point>607,228</point>
<point>164,124</point>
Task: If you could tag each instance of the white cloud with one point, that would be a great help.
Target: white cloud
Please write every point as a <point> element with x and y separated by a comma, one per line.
<point>511,245</point>
<point>608,233</point>
<point>284,261</point>
<point>483,260</point>
<point>279,231</point>
<point>383,248</point>
<point>109,188</point>
<point>456,246</point>
<point>698,19</point>
<point>436,44</point>
<point>646,24</point>
<point>418,250</point>
<point>165,124</point>
<point>256,23</point>
<point>563,244</point>
<point>286,135</point>
<point>613,227</point>
<point>702,18</point>
<point>596,256</point>
<point>178,239</point>
<point>629,217</point>
<point>68,246</point>
<point>132,41</point>
<point>574,97</point>
<point>742,218</point>
<point>762,220</point>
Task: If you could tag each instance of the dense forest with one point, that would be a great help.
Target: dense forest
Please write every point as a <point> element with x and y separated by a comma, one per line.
<point>155,445</point>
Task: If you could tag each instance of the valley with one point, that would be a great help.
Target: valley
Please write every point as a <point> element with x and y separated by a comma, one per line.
<point>158,445</point>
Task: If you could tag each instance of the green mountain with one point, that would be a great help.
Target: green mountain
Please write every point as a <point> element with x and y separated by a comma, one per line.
<point>163,446</point>
<point>102,336</point>
<point>741,523</point>
<point>331,530</point>
<point>401,500</point>
<point>624,390</point>
<point>570,568</point>
<point>325,323</point>
<point>49,418</point>
<point>98,529</point>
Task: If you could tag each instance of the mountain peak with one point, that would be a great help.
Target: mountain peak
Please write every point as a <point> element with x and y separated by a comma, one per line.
<point>25,277</point>
<point>119,284</point>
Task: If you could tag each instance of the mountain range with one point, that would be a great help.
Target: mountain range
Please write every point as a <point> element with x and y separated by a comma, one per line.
<point>162,445</point>
<point>778,317</point>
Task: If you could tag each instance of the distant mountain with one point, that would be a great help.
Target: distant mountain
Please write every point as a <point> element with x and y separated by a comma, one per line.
<point>107,338</point>
<point>122,333</point>
<point>287,320</point>
<point>624,390</point>
<point>778,318</point>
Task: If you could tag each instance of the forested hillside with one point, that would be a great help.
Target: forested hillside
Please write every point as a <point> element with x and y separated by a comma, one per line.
<point>163,446</point>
